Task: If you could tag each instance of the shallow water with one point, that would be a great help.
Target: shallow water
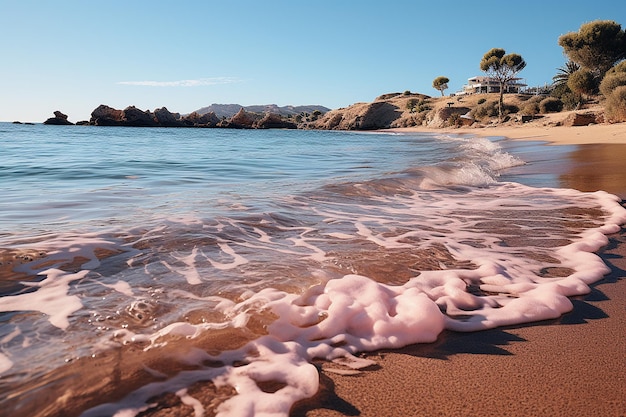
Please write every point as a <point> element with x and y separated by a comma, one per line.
<point>217,265</point>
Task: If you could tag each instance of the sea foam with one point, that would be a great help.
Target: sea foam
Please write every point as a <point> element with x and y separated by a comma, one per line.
<point>340,317</point>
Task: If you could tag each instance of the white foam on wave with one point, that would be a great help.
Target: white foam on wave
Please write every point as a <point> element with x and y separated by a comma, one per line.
<point>481,164</point>
<point>51,297</point>
<point>338,318</point>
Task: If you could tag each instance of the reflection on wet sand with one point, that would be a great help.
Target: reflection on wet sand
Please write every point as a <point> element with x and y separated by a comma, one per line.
<point>597,167</point>
<point>589,167</point>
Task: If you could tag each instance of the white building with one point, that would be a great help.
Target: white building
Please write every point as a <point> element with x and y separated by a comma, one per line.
<point>477,85</point>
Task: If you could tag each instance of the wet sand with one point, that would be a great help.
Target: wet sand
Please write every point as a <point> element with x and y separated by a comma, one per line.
<point>572,366</point>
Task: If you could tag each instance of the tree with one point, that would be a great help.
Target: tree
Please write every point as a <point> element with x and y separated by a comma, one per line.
<point>441,83</point>
<point>503,68</point>
<point>597,46</point>
<point>582,82</point>
<point>563,74</point>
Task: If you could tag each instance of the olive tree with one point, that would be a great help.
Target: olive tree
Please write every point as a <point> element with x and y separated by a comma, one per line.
<point>503,68</point>
<point>441,83</point>
<point>597,46</point>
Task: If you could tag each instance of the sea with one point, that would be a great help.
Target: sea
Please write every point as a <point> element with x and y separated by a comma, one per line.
<point>213,270</point>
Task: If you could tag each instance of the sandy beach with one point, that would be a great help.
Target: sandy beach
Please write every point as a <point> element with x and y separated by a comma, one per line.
<point>572,366</point>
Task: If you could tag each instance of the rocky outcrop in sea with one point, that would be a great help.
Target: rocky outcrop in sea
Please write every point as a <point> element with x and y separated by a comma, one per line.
<point>58,119</point>
<point>131,116</point>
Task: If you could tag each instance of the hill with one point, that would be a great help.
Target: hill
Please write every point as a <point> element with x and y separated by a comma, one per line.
<point>398,110</point>
<point>229,110</point>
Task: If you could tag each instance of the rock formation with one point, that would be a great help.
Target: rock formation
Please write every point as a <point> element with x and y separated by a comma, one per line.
<point>242,120</point>
<point>200,120</point>
<point>387,111</point>
<point>583,119</point>
<point>442,116</point>
<point>135,117</point>
<point>166,118</point>
<point>58,119</point>
<point>229,110</point>
<point>274,121</point>
<point>104,115</point>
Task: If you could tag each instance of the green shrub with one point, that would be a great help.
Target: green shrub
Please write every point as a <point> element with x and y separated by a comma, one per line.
<point>417,105</point>
<point>485,109</point>
<point>550,105</point>
<point>611,82</point>
<point>615,106</point>
<point>454,120</point>
<point>510,109</point>
<point>422,105</point>
<point>530,108</point>
<point>490,109</point>
<point>482,100</point>
<point>582,82</point>
<point>571,100</point>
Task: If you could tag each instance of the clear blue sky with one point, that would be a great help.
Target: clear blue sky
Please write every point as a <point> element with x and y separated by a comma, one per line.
<point>75,55</point>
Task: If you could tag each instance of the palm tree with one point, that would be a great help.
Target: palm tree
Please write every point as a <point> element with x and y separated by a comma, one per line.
<point>564,73</point>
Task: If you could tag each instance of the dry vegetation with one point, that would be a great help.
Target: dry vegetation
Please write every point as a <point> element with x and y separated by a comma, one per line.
<point>397,110</point>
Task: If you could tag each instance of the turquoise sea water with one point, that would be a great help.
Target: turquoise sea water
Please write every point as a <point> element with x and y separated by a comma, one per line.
<point>138,262</point>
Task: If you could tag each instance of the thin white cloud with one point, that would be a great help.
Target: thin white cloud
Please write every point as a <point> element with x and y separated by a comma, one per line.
<point>184,83</point>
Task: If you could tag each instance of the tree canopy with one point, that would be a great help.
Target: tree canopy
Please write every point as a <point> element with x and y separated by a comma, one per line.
<point>582,82</point>
<point>441,83</point>
<point>597,46</point>
<point>503,68</point>
<point>565,72</point>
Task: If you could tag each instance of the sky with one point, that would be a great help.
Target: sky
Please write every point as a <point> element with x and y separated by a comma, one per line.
<point>73,56</point>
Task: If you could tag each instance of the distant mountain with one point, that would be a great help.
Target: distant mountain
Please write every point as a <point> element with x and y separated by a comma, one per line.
<point>229,110</point>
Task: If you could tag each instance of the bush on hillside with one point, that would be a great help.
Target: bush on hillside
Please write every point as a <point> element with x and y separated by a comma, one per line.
<point>490,109</point>
<point>571,100</point>
<point>454,120</point>
<point>550,105</point>
<point>615,106</point>
<point>481,100</point>
<point>531,106</point>
<point>582,82</point>
<point>415,105</point>
<point>485,110</point>
<point>621,67</point>
<point>611,82</point>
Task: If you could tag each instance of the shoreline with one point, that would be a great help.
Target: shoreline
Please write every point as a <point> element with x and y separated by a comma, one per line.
<point>570,366</point>
<point>544,129</point>
<point>586,158</point>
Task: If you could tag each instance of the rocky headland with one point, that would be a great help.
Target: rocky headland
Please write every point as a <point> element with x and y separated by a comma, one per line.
<point>231,116</point>
<point>388,111</point>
